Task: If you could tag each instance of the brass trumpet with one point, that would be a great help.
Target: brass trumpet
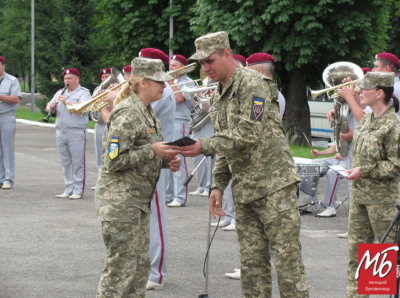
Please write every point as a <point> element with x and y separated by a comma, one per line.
<point>88,106</point>
<point>331,92</point>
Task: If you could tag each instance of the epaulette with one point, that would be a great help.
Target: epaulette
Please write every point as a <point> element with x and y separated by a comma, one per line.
<point>86,89</point>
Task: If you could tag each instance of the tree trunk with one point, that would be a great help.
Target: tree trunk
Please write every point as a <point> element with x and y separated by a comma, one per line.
<point>297,109</point>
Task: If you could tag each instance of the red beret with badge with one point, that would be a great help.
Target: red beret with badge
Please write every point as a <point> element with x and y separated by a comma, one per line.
<point>154,54</point>
<point>2,60</point>
<point>180,59</point>
<point>260,58</point>
<point>388,57</point>
<point>71,71</point>
<point>240,58</point>
<point>366,69</point>
<point>104,71</point>
<point>127,69</point>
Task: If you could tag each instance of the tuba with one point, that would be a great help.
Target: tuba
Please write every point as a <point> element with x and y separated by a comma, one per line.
<point>199,115</point>
<point>332,77</point>
<point>116,77</point>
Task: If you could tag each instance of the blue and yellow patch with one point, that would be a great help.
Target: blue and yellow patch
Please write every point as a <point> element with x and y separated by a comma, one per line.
<point>113,147</point>
<point>257,110</point>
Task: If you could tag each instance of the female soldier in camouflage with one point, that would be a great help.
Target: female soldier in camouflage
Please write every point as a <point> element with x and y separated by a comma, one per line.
<point>375,170</point>
<point>133,154</point>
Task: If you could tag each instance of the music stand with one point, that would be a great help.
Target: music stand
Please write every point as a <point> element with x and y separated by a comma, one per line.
<point>205,295</point>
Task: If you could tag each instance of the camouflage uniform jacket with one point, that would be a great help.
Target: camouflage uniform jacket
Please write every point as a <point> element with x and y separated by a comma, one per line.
<point>249,138</point>
<point>376,151</point>
<point>129,180</point>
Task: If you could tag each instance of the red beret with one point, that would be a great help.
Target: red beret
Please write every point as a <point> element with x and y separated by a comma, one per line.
<point>71,71</point>
<point>366,69</point>
<point>240,58</point>
<point>154,54</point>
<point>105,70</point>
<point>127,69</point>
<point>260,58</point>
<point>180,58</point>
<point>2,59</point>
<point>388,57</point>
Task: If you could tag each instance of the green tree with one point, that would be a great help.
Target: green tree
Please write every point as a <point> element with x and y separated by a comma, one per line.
<point>15,24</point>
<point>303,36</point>
<point>64,38</point>
<point>129,26</point>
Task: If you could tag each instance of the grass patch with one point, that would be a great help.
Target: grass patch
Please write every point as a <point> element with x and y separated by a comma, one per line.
<point>25,113</point>
<point>305,151</point>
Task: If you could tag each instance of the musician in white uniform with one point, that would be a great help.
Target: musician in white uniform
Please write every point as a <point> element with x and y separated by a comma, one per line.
<point>177,193</point>
<point>71,134</point>
<point>388,62</point>
<point>104,74</point>
<point>264,63</point>
<point>10,94</point>
<point>165,112</point>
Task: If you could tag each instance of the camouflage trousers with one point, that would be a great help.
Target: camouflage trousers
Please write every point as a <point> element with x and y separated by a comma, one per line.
<point>269,227</point>
<point>366,223</point>
<point>128,259</point>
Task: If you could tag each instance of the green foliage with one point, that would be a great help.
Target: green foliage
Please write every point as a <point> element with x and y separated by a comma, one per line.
<point>394,32</point>
<point>64,38</point>
<point>128,26</point>
<point>312,33</point>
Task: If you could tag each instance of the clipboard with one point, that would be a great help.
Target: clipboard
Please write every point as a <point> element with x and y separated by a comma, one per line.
<point>186,141</point>
<point>340,170</point>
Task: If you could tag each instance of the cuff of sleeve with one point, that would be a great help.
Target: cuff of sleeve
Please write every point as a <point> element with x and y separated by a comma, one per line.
<point>364,171</point>
<point>218,186</point>
<point>205,145</point>
<point>149,152</point>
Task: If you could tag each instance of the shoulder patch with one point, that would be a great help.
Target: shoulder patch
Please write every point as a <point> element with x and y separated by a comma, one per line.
<point>113,147</point>
<point>257,109</point>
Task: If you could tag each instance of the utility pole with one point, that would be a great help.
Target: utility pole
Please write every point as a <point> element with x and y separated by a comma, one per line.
<point>32,56</point>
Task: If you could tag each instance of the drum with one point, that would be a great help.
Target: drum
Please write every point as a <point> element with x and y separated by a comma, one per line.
<point>311,169</point>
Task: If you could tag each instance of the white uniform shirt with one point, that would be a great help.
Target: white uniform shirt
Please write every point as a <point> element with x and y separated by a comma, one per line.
<point>9,85</point>
<point>282,104</point>
<point>182,112</point>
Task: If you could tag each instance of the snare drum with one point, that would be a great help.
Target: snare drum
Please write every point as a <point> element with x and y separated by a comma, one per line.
<point>311,169</point>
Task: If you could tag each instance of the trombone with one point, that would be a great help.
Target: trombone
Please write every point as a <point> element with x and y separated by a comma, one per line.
<point>331,92</point>
<point>84,106</point>
<point>183,70</point>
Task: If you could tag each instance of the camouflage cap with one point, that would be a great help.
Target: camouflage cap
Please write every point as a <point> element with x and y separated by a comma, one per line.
<point>374,79</point>
<point>208,44</point>
<point>152,69</point>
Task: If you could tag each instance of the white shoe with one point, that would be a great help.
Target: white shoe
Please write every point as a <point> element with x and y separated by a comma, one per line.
<point>344,235</point>
<point>75,197</point>
<point>328,212</point>
<point>221,224</point>
<point>231,227</point>
<point>204,194</point>
<point>234,275</point>
<point>6,186</point>
<point>174,204</point>
<point>63,196</point>
<point>93,187</point>
<point>236,270</point>
<point>154,286</point>
<point>195,193</point>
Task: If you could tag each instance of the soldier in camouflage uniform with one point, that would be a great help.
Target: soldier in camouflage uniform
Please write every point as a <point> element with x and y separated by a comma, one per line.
<point>252,151</point>
<point>375,170</point>
<point>133,154</point>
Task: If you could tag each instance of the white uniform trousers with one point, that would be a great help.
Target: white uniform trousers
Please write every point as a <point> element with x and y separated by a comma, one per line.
<point>229,207</point>
<point>158,232</point>
<point>98,145</point>
<point>7,138</point>
<point>176,191</point>
<point>203,172</point>
<point>71,144</point>
<point>333,179</point>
